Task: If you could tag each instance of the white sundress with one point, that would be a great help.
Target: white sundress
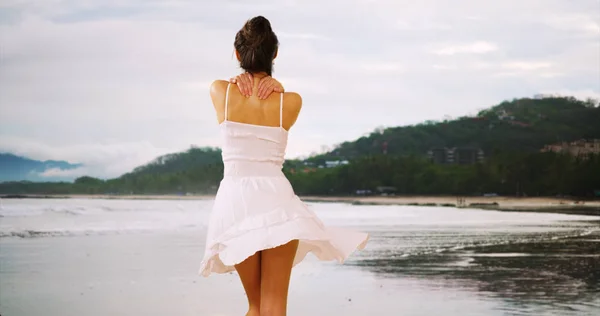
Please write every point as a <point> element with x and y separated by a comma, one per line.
<point>256,208</point>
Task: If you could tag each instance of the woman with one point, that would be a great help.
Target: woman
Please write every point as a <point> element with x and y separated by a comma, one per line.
<point>258,226</point>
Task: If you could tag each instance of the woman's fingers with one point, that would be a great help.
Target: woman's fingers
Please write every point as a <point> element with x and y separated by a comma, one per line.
<point>269,89</point>
<point>263,87</point>
<point>266,85</point>
<point>249,83</point>
<point>244,83</point>
<point>262,82</point>
<point>278,87</point>
<point>245,89</point>
<point>241,84</point>
<point>236,80</point>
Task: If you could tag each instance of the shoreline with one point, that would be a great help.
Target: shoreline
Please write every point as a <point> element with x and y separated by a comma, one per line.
<point>501,203</point>
<point>497,203</point>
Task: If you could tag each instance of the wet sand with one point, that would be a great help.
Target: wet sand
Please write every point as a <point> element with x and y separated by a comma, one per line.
<point>140,257</point>
<point>154,275</point>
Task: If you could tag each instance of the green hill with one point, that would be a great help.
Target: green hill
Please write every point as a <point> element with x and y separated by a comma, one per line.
<point>196,170</point>
<point>519,125</point>
<point>510,135</point>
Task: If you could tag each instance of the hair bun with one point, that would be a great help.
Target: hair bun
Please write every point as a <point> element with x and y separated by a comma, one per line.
<point>260,24</point>
<point>256,45</point>
<point>256,30</point>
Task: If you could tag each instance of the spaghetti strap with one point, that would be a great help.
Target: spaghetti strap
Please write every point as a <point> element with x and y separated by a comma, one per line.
<point>227,99</point>
<point>281,111</point>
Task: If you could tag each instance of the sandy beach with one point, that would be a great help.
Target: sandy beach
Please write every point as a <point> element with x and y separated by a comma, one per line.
<point>501,203</point>
<point>92,257</point>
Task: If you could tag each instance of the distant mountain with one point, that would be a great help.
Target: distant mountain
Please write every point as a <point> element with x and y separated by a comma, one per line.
<point>197,170</point>
<point>17,168</point>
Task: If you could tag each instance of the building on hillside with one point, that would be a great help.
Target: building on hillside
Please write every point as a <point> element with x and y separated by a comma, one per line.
<point>440,155</point>
<point>580,148</point>
<point>456,155</point>
<point>468,155</point>
<point>503,115</point>
<point>334,163</point>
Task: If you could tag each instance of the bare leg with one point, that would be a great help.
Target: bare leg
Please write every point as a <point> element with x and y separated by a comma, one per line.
<point>276,269</point>
<point>249,271</point>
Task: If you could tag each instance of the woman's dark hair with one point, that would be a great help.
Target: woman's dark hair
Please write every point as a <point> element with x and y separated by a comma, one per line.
<point>257,45</point>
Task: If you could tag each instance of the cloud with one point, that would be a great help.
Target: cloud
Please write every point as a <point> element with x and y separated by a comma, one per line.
<point>64,173</point>
<point>302,36</point>
<point>582,24</point>
<point>382,67</point>
<point>540,69</point>
<point>99,160</point>
<point>114,84</point>
<point>444,67</point>
<point>420,24</point>
<point>527,66</point>
<point>480,47</point>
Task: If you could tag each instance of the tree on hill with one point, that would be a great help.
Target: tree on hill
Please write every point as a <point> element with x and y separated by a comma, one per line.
<point>511,134</point>
<point>521,124</point>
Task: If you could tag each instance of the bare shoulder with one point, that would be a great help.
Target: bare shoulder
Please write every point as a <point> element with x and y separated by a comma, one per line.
<point>293,101</point>
<point>217,93</point>
<point>218,87</point>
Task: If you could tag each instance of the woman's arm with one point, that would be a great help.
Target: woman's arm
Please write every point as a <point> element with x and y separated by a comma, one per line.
<point>266,85</point>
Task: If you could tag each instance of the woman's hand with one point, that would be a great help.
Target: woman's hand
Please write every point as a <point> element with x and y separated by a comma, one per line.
<point>245,82</point>
<point>266,85</point>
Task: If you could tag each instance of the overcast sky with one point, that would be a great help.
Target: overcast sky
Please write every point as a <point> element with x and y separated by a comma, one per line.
<point>113,84</point>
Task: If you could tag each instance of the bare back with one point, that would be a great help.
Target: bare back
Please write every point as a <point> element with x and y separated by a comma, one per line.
<point>252,110</point>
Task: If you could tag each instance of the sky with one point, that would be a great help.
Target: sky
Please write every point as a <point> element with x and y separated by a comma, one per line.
<point>114,84</point>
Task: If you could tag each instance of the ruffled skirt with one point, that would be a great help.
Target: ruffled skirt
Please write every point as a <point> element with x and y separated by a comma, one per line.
<point>251,214</point>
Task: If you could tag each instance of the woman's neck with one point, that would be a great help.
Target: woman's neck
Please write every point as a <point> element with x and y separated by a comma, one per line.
<point>259,75</point>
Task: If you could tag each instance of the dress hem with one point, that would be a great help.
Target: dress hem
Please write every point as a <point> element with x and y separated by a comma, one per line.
<point>208,264</point>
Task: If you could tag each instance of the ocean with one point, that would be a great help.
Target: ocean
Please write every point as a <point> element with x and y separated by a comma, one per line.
<point>141,257</point>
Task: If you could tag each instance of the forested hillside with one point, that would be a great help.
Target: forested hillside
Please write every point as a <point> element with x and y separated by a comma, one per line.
<point>509,136</point>
<point>524,125</point>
